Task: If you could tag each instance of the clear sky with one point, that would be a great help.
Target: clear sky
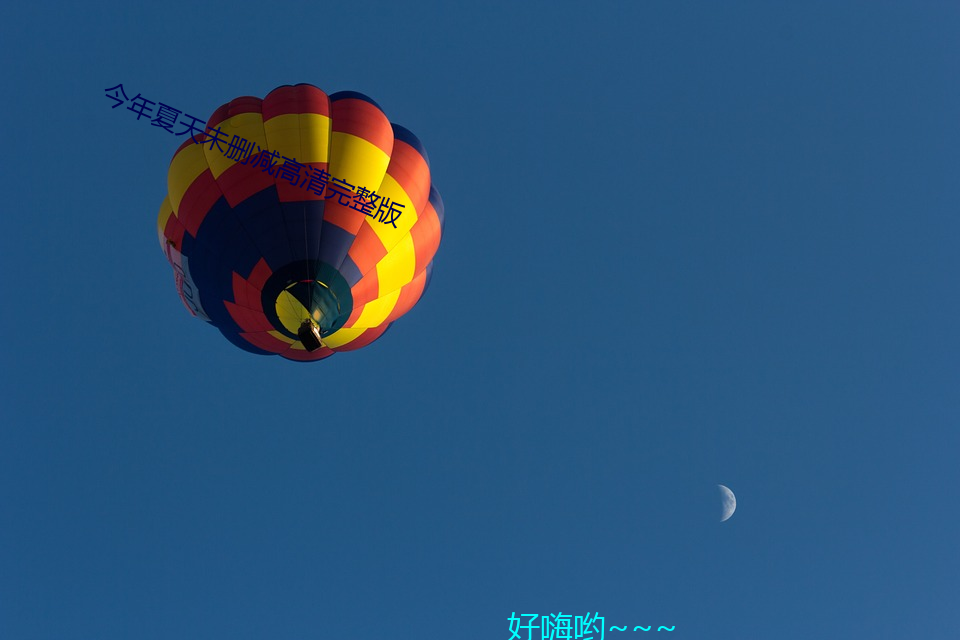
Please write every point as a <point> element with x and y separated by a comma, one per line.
<point>686,243</point>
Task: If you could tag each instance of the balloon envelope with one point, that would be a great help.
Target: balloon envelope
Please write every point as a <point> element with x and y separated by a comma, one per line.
<point>300,210</point>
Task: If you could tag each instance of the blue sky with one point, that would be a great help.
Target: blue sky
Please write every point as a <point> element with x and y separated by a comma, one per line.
<point>686,243</point>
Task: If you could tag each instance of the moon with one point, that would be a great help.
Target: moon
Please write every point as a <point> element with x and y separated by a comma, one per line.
<point>728,502</point>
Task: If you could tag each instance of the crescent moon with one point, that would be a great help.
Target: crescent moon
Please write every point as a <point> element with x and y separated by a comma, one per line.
<point>728,502</point>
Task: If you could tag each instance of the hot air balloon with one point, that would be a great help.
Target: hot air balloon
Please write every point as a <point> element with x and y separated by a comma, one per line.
<point>301,224</point>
